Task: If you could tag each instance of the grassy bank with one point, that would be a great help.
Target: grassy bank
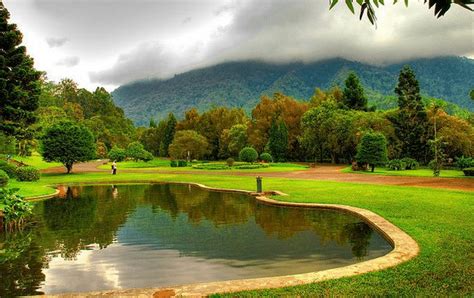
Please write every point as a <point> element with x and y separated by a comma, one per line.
<point>409,173</point>
<point>441,221</point>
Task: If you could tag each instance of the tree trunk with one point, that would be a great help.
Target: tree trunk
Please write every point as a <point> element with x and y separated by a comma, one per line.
<point>68,167</point>
<point>372,166</point>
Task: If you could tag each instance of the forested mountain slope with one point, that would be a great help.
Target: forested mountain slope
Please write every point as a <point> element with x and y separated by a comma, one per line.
<point>240,84</point>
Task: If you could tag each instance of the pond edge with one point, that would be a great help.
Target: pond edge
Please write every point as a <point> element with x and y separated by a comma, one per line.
<point>404,249</point>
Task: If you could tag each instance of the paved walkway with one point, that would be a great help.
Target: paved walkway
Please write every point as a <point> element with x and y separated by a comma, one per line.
<point>321,172</point>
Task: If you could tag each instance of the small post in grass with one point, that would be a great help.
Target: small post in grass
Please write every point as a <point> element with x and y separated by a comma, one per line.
<point>259,184</point>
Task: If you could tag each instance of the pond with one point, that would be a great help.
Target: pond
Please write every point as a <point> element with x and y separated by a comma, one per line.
<point>93,238</point>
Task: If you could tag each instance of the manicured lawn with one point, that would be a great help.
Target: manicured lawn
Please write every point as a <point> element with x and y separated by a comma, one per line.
<point>36,161</point>
<point>441,221</point>
<point>164,165</point>
<point>413,173</point>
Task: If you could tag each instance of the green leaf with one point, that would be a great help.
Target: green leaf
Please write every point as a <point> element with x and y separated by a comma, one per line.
<point>349,5</point>
<point>333,3</point>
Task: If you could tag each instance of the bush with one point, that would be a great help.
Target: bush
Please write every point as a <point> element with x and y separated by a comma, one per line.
<point>16,210</point>
<point>230,161</point>
<point>211,166</point>
<point>3,178</point>
<point>182,163</point>
<point>396,165</point>
<point>117,154</point>
<point>266,157</point>
<point>252,166</point>
<point>468,171</point>
<point>147,156</point>
<point>8,168</point>
<point>410,163</point>
<point>248,154</point>
<point>464,162</point>
<point>173,163</point>
<point>27,174</point>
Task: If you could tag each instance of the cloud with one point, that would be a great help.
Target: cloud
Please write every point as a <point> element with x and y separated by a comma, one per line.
<point>68,61</point>
<point>56,42</point>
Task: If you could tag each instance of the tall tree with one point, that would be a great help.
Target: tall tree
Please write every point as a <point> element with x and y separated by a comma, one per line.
<point>278,140</point>
<point>19,82</point>
<point>372,150</point>
<point>168,135</point>
<point>353,96</point>
<point>411,122</point>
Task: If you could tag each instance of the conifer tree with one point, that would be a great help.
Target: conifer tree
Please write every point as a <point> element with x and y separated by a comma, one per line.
<point>278,140</point>
<point>168,135</point>
<point>411,122</point>
<point>19,82</point>
<point>353,95</point>
<point>372,150</point>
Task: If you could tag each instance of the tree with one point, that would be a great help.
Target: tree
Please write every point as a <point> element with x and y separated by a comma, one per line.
<point>20,85</point>
<point>188,143</point>
<point>68,143</point>
<point>410,122</point>
<point>117,154</point>
<point>372,150</point>
<point>168,135</point>
<point>278,140</point>
<point>367,6</point>
<point>136,152</point>
<point>353,95</point>
<point>233,140</point>
<point>248,154</point>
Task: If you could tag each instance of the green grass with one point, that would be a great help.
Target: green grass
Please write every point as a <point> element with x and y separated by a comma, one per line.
<point>410,173</point>
<point>36,161</point>
<point>162,165</point>
<point>441,221</point>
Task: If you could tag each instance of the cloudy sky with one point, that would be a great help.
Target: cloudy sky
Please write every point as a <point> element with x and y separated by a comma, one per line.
<point>113,42</point>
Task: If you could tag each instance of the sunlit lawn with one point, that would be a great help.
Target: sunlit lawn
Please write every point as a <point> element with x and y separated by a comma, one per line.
<point>423,172</point>
<point>36,161</point>
<point>441,221</point>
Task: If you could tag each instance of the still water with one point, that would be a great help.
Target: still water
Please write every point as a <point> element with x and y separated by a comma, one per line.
<point>93,238</point>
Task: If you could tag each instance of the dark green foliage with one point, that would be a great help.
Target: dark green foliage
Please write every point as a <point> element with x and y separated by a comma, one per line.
<point>410,163</point>
<point>372,150</point>
<point>117,154</point>
<point>136,152</point>
<point>19,81</point>
<point>278,140</point>
<point>248,154</point>
<point>151,138</point>
<point>230,162</point>
<point>68,143</point>
<point>182,163</point>
<point>173,164</point>
<point>240,84</point>
<point>3,178</point>
<point>27,174</point>
<point>464,162</point>
<point>16,210</point>
<point>7,144</point>
<point>266,157</point>
<point>396,165</point>
<point>8,168</point>
<point>353,96</point>
<point>411,122</point>
<point>468,171</point>
<point>168,134</point>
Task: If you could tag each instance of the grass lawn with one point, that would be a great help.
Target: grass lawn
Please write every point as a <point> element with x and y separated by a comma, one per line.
<point>441,221</point>
<point>164,165</point>
<point>413,173</point>
<point>36,161</point>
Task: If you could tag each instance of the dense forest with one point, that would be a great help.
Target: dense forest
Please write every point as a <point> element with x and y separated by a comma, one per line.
<point>240,84</point>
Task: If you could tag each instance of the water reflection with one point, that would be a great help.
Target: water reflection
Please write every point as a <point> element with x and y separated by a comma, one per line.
<point>104,237</point>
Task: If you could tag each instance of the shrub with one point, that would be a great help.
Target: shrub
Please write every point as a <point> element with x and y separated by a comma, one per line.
<point>3,178</point>
<point>266,157</point>
<point>252,166</point>
<point>15,209</point>
<point>248,154</point>
<point>396,165</point>
<point>230,161</point>
<point>117,154</point>
<point>464,162</point>
<point>468,171</point>
<point>210,166</point>
<point>147,156</point>
<point>8,168</point>
<point>173,163</point>
<point>27,174</point>
<point>136,151</point>
<point>410,163</point>
<point>182,163</point>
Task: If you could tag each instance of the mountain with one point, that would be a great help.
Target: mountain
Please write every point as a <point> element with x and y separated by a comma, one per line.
<point>240,84</point>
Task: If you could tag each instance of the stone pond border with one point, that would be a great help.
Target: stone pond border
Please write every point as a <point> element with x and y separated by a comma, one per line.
<point>404,249</point>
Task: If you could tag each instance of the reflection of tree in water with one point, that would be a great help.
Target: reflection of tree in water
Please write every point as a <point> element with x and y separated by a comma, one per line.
<point>359,236</point>
<point>21,264</point>
<point>216,207</point>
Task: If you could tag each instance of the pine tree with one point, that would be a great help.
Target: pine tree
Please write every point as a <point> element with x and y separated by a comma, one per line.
<point>19,82</point>
<point>278,140</point>
<point>372,150</point>
<point>353,95</point>
<point>169,134</point>
<point>411,122</point>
